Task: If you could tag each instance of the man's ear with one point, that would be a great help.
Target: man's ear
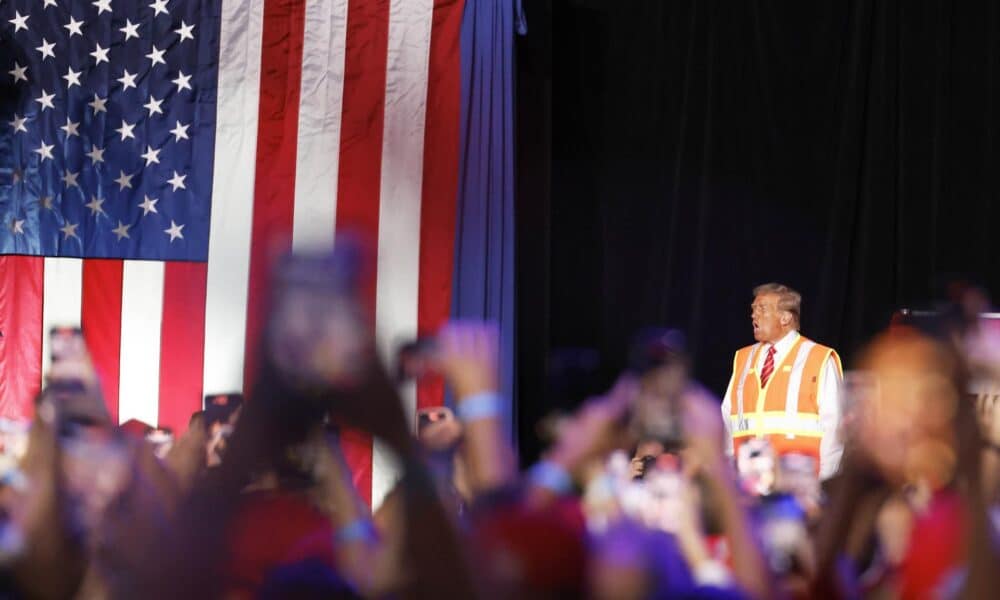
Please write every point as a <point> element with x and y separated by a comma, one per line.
<point>786,319</point>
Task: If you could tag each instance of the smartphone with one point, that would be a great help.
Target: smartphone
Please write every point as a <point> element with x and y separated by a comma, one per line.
<point>413,359</point>
<point>72,384</point>
<point>219,409</point>
<point>757,464</point>
<point>319,334</point>
<point>658,358</point>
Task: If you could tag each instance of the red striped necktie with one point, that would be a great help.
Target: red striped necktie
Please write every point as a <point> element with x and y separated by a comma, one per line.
<point>765,373</point>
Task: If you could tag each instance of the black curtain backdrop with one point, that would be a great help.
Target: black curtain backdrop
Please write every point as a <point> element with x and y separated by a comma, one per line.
<point>700,147</point>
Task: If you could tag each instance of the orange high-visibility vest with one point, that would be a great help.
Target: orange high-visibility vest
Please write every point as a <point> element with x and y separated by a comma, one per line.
<point>786,410</point>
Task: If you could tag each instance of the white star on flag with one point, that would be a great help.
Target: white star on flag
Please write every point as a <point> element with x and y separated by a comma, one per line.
<point>153,106</point>
<point>177,181</point>
<point>95,206</point>
<point>47,49</point>
<point>182,82</point>
<point>69,230</point>
<point>69,178</point>
<point>180,132</point>
<point>126,130</point>
<point>127,80</point>
<point>18,124</point>
<point>148,205</point>
<point>48,3</point>
<point>131,30</point>
<point>98,104</point>
<point>72,77</point>
<point>100,54</point>
<point>71,128</point>
<point>19,72</point>
<point>174,232</point>
<point>46,202</point>
<point>102,5</point>
<point>45,100</point>
<point>124,181</point>
<point>160,6</point>
<point>121,231</point>
<point>151,156</point>
<point>17,226</point>
<point>45,151</point>
<point>96,155</point>
<point>186,31</point>
<point>156,56</point>
<point>73,27</point>
<point>19,21</point>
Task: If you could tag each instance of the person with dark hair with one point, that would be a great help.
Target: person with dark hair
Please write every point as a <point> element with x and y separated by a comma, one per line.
<point>785,387</point>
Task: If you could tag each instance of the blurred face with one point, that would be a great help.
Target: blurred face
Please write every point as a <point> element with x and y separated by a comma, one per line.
<point>769,323</point>
<point>913,406</point>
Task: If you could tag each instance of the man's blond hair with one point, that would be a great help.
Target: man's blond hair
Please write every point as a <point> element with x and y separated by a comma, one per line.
<point>788,299</point>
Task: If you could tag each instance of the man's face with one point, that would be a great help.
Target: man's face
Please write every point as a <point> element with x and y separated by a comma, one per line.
<point>767,320</point>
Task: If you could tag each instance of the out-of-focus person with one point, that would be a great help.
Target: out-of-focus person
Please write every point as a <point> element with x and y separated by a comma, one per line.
<point>785,387</point>
<point>911,480</point>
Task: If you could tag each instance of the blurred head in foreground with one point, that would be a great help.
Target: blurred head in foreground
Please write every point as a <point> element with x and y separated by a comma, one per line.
<point>913,403</point>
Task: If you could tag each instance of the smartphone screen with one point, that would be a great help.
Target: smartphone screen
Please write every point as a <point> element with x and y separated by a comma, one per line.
<point>757,464</point>
<point>318,332</point>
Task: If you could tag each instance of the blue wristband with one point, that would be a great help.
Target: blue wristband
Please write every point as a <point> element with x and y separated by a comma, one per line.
<point>552,477</point>
<point>358,530</point>
<point>485,405</point>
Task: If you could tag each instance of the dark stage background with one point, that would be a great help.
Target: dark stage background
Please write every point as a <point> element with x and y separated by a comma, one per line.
<point>673,154</point>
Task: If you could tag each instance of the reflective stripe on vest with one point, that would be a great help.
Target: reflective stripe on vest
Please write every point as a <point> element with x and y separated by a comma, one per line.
<point>798,368</point>
<point>743,378</point>
<point>776,422</point>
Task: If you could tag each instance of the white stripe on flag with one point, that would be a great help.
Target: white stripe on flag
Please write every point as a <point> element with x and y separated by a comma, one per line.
<point>320,107</point>
<point>62,301</point>
<point>399,209</point>
<point>232,194</point>
<point>142,315</point>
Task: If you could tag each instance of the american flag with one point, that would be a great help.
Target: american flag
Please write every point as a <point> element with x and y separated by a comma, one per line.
<point>158,154</point>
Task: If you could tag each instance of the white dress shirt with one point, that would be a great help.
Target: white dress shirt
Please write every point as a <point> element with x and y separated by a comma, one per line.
<point>828,401</point>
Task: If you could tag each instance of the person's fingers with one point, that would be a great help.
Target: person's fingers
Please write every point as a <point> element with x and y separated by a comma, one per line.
<point>446,342</point>
<point>622,395</point>
<point>489,336</point>
<point>463,345</point>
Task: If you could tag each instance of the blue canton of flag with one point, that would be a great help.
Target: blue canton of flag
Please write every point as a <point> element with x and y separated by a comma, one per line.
<point>108,138</point>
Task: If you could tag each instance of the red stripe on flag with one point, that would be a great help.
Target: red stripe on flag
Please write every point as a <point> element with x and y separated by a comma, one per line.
<point>440,182</point>
<point>101,320</point>
<point>274,193</point>
<point>182,343</point>
<point>360,174</point>
<point>21,283</point>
